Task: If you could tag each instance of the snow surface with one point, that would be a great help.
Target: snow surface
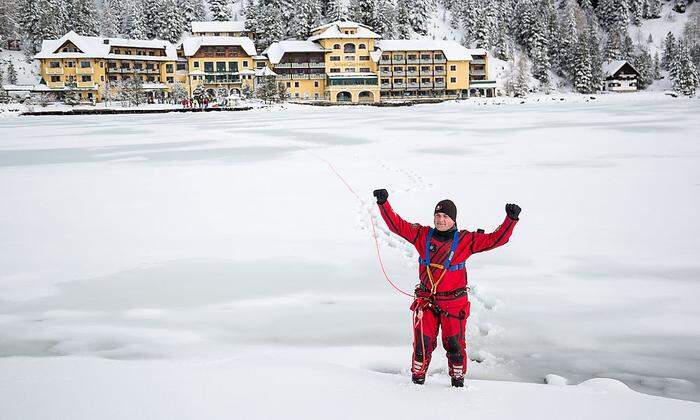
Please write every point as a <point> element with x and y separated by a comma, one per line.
<point>190,265</point>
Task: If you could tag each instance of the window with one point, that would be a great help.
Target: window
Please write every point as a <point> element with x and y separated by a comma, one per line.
<point>102,78</point>
<point>349,48</point>
<point>349,58</point>
<point>350,70</point>
<point>425,80</point>
<point>439,56</point>
<point>364,69</point>
<point>233,66</point>
<point>336,46</point>
<point>413,80</point>
<point>439,68</point>
<point>364,58</point>
<point>55,64</point>
<point>181,66</point>
<point>245,63</point>
<point>453,68</point>
<point>362,47</point>
<point>425,69</point>
<point>453,80</point>
<point>102,64</point>
<point>296,84</point>
<point>335,58</point>
<point>112,78</point>
<point>398,81</point>
<point>208,66</point>
<point>221,66</point>
<point>439,80</point>
<point>86,78</point>
<point>335,70</point>
<point>386,81</point>
<point>412,56</point>
<point>425,57</point>
<point>398,57</point>
<point>70,64</point>
<point>168,68</point>
<point>315,84</point>
<point>385,57</point>
<point>138,66</point>
<point>55,79</point>
<point>170,79</point>
<point>196,64</point>
<point>386,69</point>
<point>289,84</point>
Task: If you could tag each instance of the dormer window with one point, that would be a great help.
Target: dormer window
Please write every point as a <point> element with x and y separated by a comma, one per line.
<point>336,46</point>
<point>349,48</point>
<point>362,47</point>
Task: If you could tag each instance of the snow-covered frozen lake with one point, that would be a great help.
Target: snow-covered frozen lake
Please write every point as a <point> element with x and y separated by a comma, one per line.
<point>225,239</point>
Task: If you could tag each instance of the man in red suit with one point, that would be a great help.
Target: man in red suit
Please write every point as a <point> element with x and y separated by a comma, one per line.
<point>441,297</point>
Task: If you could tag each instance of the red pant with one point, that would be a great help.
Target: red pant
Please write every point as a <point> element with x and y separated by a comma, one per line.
<point>426,324</point>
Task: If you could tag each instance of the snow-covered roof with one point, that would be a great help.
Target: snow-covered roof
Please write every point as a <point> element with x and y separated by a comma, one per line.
<point>99,47</point>
<point>217,26</point>
<point>612,67</point>
<point>452,50</point>
<point>477,51</point>
<point>192,44</point>
<point>335,30</point>
<point>277,49</point>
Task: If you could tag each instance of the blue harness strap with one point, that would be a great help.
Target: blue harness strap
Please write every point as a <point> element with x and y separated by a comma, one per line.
<point>453,248</point>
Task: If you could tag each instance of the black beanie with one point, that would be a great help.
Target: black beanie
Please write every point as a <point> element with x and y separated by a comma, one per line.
<point>447,207</point>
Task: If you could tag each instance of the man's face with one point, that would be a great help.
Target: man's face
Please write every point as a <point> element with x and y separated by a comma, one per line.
<point>443,222</point>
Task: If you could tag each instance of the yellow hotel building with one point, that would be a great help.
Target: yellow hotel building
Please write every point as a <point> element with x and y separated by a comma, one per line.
<point>86,64</point>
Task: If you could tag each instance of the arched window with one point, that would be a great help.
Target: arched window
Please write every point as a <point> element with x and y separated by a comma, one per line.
<point>362,47</point>
<point>336,46</point>
<point>349,48</point>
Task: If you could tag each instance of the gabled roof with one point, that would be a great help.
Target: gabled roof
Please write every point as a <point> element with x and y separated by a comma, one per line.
<point>99,47</point>
<point>277,49</point>
<point>452,50</point>
<point>335,30</point>
<point>610,68</point>
<point>216,26</point>
<point>193,44</point>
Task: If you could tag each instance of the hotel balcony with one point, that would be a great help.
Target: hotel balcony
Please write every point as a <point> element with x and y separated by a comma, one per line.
<point>440,85</point>
<point>385,73</point>
<point>426,61</point>
<point>477,72</point>
<point>84,70</point>
<point>440,60</point>
<point>399,73</point>
<point>412,73</point>
<point>153,71</point>
<point>283,65</point>
<point>316,76</point>
<point>478,61</point>
<point>412,85</point>
<point>413,61</point>
<point>395,61</point>
<point>140,71</point>
<point>317,65</point>
<point>300,76</point>
<point>284,77</point>
<point>439,72</point>
<point>426,85</point>
<point>54,70</point>
<point>386,85</point>
<point>299,65</point>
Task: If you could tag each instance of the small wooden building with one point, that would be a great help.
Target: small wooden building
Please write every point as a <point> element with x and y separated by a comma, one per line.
<point>620,76</point>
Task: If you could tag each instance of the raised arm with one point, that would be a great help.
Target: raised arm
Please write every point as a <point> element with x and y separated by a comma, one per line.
<point>486,241</point>
<point>408,231</point>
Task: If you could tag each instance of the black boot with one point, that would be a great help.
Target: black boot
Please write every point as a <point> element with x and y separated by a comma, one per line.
<point>420,380</point>
<point>458,382</point>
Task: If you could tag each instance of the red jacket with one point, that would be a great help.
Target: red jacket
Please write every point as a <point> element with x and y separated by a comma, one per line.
<point>469,243</point>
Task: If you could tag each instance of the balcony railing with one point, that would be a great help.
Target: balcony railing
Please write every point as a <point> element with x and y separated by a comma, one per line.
<point>84,70</point>
<point>440,60</point>
<point>386,85</point>
<point>300,76</point>
<point>300,65</point>
<point>426,61</point>
<point>439,85</point>
<point>56,85</point>
<point>439,72</point>
<point>153,71</point>
<point>479,61</point>
<point>411,85</point>
<point>412,61</point>
<point>412,73</point>
<point>284,65</point>
<point>54,70</point>
<point>399,73</point>
<point>316,76</point>
<point>317,65</point>
<point>284,77</point>
<point>477,72</point>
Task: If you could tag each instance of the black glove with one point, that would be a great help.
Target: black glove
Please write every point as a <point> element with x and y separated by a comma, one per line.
<point>381,195</point>
<point>513,211</point>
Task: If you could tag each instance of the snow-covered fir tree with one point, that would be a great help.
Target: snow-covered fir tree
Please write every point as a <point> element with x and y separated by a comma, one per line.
<point>171,22</point>
<point>568,35</point>
<point>219,10</point>
<point>635,11</point>
<point>192,10</point>
<point>336,10</point>
<point>517,76</point>
<point>652,9</point>
<point>152,10</point>
<point>306,16</point>
<point>109,20</point>
<point>386,19</point>
<point>82,18</point>
<point>669,52</point>
<point>363,11</point>
<point>685,75</point>
<point>11,74</point>
<point>645,66</point>
<point>9,20</point>
<point>403,23</point>
<point>135,21</point>
<point>421,12</point>
<point>583,78</point>
<point>613,14</point>
<point>596,57</point>
<point>657,66</point>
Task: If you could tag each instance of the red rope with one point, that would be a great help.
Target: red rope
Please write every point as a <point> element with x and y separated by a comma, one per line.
<point>374,231</point>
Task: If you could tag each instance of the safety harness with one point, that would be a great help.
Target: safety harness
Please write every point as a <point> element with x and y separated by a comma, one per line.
<point>429,297</point>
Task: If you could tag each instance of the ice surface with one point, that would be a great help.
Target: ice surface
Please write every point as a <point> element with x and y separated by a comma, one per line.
<point>137,238</point>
